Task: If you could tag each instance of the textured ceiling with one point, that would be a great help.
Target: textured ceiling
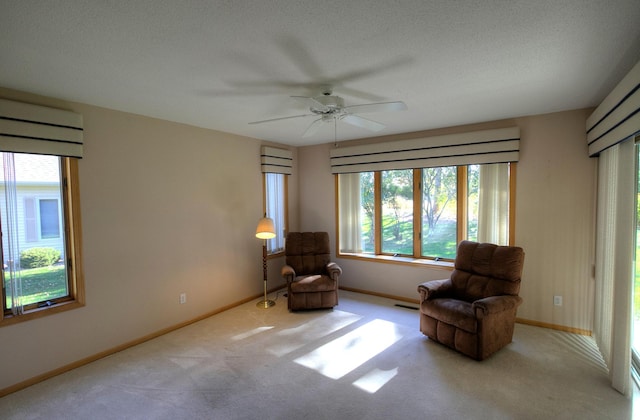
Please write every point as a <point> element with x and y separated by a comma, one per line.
<point>223,64</point>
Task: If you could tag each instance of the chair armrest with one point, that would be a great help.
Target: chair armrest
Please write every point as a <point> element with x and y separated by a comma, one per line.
<point>494,305</point>
<point>434,288</point>
<point>288,273</point>
<point>334,270</point>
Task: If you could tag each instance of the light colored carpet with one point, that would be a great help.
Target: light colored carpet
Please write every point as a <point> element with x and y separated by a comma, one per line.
<point>366,359</point>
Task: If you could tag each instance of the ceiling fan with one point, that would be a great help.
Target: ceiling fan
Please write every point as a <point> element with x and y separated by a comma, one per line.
<point>331,108</point>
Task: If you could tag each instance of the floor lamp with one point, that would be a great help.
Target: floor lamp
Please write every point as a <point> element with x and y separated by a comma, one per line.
<point>265,231</point>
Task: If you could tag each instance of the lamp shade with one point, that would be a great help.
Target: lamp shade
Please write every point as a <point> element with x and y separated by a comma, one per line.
<point>265,229</point>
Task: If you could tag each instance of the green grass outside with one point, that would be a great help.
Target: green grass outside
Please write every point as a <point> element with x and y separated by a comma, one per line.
<point>41,284</point>
<point>440,243</point>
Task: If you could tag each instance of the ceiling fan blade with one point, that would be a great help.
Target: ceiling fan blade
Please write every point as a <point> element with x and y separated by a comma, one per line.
<point>313,128</point>
<point>377,107</point>
<point>281,118</point>
<point>359,121</point>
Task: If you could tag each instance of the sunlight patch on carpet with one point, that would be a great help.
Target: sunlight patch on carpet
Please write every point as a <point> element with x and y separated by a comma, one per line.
<point>346,353</point>
<point>374,380</point>
<point>250,333</point>
<point>187,362</point>
<point>300,336</point>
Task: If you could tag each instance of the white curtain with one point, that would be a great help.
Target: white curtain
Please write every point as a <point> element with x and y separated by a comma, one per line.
<point>11,247</point>
<point>493,204</point>
<point>349,213</point>
<point>615,229</point>
<point>275,197</point>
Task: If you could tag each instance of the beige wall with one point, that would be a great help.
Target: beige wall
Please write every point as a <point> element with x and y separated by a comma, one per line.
<point>166,209</point>
<point>554,219</point>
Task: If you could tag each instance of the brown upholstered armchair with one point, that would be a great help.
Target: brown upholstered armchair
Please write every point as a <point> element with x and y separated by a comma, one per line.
<point>474,311</point>
<point>312,279</point>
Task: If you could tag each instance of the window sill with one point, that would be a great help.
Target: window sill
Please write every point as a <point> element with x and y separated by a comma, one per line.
<point>442,265</point>
<point>40,312</point>
<point>275,255</point>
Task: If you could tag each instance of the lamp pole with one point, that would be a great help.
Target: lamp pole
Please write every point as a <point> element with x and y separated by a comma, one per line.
<point>266,303</point>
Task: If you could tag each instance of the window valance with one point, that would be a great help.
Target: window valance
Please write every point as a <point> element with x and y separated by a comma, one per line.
<point>478,147</point>
<point>618,116</point>
<point>27,128</point>
<point>278,161</point>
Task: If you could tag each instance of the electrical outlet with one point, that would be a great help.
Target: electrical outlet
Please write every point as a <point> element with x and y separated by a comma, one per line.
<point>183,298</point>
<point>557,300</point>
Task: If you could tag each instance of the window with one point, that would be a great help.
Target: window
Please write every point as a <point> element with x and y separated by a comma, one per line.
<point>439,212</point>
<point>49,218</point>
<point>276,208</point>
<point>39,219</point>
<point>276,164</point>
<point>635,344</point>
<point>424,213</point>
<point>397,213</point>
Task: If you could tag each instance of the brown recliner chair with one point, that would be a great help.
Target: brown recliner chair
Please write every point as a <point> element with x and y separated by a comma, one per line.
<point>312,279</point>
<point>474,311</point>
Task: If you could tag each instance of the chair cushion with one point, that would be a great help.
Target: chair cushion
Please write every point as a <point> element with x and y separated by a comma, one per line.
<point>483,270</point>
<point>312,283</point>
<point>500,262</point>
<point>307,252</point>
<point>451,311</point>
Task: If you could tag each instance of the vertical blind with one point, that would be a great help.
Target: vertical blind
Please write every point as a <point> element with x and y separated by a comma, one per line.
<point>11,246</point>
<point>349,207</point>
<point>27,128</point>
<point>610,130</point>
<point>275,209</point>
<point>493,205</point>
<point>614,261</point>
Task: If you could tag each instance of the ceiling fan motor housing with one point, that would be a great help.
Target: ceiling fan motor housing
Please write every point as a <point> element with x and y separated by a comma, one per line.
<point>332,105</point>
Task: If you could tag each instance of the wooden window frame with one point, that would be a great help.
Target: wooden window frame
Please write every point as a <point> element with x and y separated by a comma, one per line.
<point>286,208</point>
<point>461,223</point>
<point>73,252</point>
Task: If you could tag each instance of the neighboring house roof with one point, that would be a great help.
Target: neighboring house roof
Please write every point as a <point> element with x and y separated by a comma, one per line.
<point>34,169</point>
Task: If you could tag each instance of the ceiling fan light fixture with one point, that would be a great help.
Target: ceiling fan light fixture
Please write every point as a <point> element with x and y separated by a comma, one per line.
<point>330,104</point>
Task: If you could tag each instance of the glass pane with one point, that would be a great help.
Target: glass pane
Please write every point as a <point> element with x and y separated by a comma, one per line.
<point>275,200</point>
<point>439,212</point>
<point>49,219</point>
<point>367,212</point>
<point>34,268</point>
<point>473,194</point>
<point>397,212</point>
